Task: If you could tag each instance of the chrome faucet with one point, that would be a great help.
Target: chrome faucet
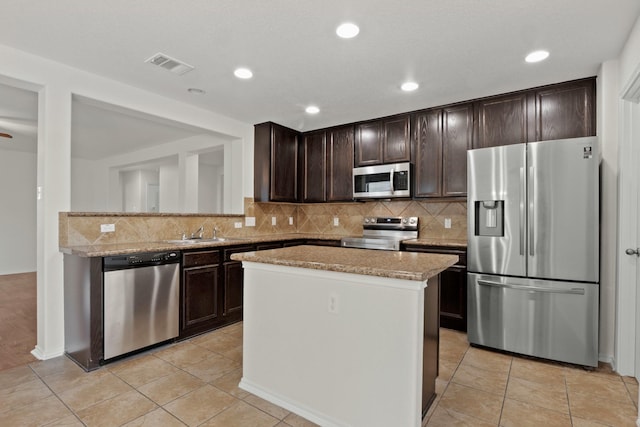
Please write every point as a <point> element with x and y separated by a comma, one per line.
<point>215,232</point>
<point>199,232</point>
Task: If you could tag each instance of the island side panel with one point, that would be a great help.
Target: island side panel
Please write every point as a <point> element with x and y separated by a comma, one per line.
<point>336,348</point>
<point>431,344</point>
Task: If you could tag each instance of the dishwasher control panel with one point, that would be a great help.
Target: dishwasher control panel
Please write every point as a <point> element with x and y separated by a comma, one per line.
<point>145,259</point>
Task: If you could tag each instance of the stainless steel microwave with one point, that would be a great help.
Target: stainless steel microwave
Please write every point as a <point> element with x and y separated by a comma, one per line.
<point>382,181</point>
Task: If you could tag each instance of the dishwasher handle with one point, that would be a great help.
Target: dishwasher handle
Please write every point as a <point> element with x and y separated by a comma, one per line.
<point>572,291</point>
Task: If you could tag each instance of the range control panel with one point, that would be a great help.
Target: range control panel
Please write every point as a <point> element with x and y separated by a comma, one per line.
<point>402,223</point>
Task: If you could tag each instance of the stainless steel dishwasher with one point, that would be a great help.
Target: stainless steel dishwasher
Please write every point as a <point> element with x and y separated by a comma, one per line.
<point>141,301</point>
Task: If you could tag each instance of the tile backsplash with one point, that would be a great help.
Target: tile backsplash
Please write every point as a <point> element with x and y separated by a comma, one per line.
<point>334,219</point>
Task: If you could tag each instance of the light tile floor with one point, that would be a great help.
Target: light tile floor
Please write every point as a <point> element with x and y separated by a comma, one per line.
<point>195,383</point>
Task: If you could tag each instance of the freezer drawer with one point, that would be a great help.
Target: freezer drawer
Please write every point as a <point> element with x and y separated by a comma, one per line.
<point>542,318</point>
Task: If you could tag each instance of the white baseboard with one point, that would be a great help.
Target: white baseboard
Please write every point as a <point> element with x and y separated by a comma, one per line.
<point>289,405</point>
<point>41,355</point>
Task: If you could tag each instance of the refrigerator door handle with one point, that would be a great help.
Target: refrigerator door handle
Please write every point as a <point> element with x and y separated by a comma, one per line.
<point>572,291</point>
<point>531,218</point>
<point>523,191</point>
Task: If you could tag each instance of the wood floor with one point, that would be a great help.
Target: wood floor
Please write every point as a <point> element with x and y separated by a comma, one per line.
<point>17,319</point>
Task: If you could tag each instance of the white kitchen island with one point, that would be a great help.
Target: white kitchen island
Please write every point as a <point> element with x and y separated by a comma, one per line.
<point>342,337</point>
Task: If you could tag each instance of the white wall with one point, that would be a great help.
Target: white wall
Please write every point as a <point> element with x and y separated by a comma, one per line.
<point>56,83</point>
<point>628,128</point>
<point>17,212</point>
<point>210,188</point>
<point>83,195</point>
<point>630,55</point>
<point>607,125</point>
<point>169,200</point>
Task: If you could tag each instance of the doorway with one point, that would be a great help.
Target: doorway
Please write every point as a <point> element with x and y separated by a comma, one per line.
<point>18,172</point>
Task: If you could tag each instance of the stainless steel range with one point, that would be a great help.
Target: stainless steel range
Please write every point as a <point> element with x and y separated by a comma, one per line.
<point>384,233</point>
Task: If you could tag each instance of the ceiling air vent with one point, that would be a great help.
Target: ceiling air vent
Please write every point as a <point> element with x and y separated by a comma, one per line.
<point>169,63</point>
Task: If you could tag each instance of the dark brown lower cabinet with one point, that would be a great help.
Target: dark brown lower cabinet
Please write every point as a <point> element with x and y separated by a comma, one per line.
<point>233,284</point>
<point>200,292</point>
<point>453,287</point>
<point>453,298</point>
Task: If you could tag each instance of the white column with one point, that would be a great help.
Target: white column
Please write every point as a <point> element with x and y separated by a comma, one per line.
<point>54,182</point>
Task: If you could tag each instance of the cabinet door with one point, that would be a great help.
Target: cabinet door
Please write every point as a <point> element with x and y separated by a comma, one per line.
<point>200,296</point>
<point>396,144</point>
<point>428,154</point>
<point>275,152</point>
<point>314,170</point>
<point>502,121</point>
<point>340,164</point>
<point>566,110</point>
<point>457,132</point>
<point>233,286</point>
<point>368,142</point>
<point>284,165</point>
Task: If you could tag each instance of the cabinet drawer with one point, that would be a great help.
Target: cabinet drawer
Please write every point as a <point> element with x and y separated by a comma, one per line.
<point>236,249</point>
<point>195,259</point>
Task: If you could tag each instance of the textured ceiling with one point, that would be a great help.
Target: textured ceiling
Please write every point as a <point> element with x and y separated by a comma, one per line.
<point>456,49</point>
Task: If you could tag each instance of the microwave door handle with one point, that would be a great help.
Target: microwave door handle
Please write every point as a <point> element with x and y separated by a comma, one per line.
<point>392,189</point>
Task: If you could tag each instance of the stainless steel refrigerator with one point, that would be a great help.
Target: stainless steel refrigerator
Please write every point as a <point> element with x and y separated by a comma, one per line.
<point>533,249</point>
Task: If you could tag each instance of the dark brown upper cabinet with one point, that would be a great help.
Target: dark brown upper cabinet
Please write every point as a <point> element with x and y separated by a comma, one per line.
<point>502,120</point>
<point>383,141</point>
<point>566,110</point>
<point>340,152</point>
<point>442,137</point>
<point>368,148</point>
<point>427,174</point>
<point>275,163</point>
<point>562,110</point>
<point>313,153</point>
<point>326,160</point>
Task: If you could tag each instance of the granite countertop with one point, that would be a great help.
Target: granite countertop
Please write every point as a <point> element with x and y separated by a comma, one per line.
<point>111,249</point>
<point>453,243</point>
<point>391,264</point>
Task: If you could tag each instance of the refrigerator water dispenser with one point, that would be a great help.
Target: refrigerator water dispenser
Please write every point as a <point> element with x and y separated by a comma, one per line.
<point>489,218</point>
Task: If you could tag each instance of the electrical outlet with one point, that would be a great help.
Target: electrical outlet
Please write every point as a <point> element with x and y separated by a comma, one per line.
<point>107,228</point>
<point>336,221</point>
<point>447,223</point>
<point>237,224</point>
<point>250,221</point>
<point>290,220</point>
<point>273,220</point>
<point>333,305</point>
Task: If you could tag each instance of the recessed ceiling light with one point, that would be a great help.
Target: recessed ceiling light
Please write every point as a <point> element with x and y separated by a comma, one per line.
<point>537,56</point>
<point>312,109</point>
<point>196,91</point>
<point>347,30</point>
<point>243,73</point>
<point>409,86</point>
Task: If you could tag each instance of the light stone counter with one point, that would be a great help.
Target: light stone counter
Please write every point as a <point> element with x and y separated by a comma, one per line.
<point>391,264</point>
<point>110,249</point>
<point>426,241</point>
